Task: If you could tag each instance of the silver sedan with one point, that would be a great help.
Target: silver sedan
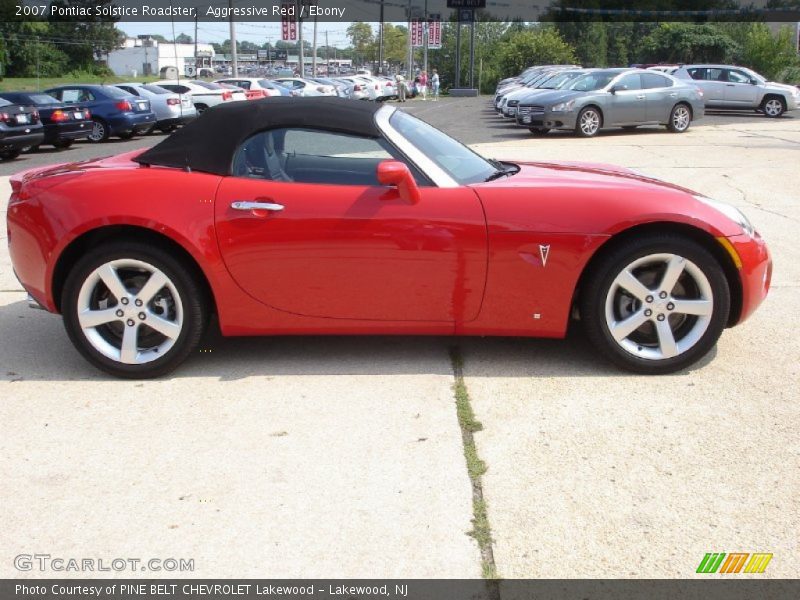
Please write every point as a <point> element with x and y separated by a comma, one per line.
<point>608,98</point>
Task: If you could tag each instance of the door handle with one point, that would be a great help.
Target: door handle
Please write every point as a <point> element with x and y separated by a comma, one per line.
<point>640,97</point>
<point>728,85</point>
<point>673,95</point>
<point>249,205</point>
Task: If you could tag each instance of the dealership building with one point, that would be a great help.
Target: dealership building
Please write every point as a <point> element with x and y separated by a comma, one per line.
<point>146,56</point>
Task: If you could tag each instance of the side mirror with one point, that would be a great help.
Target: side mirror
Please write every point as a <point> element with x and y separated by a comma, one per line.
<point>618,88</point>
<point>397,174</point>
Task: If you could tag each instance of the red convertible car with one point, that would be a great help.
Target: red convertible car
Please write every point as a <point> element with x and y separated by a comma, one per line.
<point>326,216</point>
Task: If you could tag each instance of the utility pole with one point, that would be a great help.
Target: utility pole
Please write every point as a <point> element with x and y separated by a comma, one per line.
<point>234,57</point>
<point>380,42</point>
<point>314,50</point>
<point>327,53</point>
<point>457,80</point>
<point>425,39</point>
<point>195,45</point>
<point>301,51</point>
<point>472,52</point>
<point>409,66</point>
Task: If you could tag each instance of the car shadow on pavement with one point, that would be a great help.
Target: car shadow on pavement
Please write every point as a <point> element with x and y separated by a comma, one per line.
<point>39,350</point>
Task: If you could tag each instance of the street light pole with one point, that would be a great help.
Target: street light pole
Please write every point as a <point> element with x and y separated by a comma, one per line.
<point>425,39</point>
<point>234,56</point>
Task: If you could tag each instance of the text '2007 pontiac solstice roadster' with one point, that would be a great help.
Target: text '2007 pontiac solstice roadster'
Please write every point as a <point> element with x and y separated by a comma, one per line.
<point>324,216</point>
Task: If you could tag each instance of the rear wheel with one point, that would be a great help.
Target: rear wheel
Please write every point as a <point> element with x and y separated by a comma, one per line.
<point>589,122</point>
<point>201,108</point>
<point>655,304</point>
<point>99,132</point>
<point>10,153</point>
<point>133,310</point>
<point>168,128</point>
<point>773,106</point>
<point>680,118</point>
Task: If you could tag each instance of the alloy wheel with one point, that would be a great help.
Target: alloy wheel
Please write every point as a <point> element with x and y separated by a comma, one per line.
<point>98,133</point>
<point>773,107</point>
<point>130,311</point>
<point>681,118</point>
<point>589,122</point>
<point>659,306</point>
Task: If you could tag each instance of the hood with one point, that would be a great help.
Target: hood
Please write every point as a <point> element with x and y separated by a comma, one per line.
<point>555,96</point>
<point>782,86</point>
<point>582,174</point>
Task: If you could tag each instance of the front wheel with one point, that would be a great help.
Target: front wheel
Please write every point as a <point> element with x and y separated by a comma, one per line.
<point>773,107</point>
<point>133,310</point>
<point>589,122</point>
<point>679,118</point>
<point>655,304</point>
<point>539,130</point>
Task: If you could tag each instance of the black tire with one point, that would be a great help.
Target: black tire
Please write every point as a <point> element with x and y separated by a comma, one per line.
<point>597,119</point>
<point>539,130</point>
<point>100,131</point>
<point>631,352</point>
<point>190,292</point>
<point>168,128</point>
<point>10,153</point>
<point>773,107</point>
<point>62,143</point>
<point>201,108</point>
<point>127,135</point>
<point>680,118</point>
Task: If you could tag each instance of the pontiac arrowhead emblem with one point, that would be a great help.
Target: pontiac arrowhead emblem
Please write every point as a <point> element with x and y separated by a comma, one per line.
<point>544,252</point>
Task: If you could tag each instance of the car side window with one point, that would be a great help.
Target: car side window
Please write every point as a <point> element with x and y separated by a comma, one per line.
<point>697,73</point>
<point>131,90</point>
<point>737,77</point>
<point>303,155</point>
<point>631,81</point>
<point>652,80</point>
<point>716,75</point>
<point>245,85</point>
<point>73,95</point>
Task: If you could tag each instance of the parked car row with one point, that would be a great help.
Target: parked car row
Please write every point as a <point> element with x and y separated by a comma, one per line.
<point>586,101</point>
<point>589,100</point>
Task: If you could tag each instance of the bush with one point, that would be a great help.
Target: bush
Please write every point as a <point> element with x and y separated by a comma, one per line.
<point>534,47</point>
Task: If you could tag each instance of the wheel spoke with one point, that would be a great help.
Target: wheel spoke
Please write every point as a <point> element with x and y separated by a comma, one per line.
<point>629,282</point>
<point>666,340</point>
<point>702,308</point>
<point>95,318</point>
<point>163,326</point>
<point>130,345</point>
<point>672,274</point>
<point>157,281</point>
<point>622,329</point>
<point>108,275</point>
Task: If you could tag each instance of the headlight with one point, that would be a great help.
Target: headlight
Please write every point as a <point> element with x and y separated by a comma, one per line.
<point>733,213</point>
<point>563,106</point>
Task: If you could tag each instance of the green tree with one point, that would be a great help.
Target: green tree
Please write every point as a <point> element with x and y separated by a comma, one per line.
<point>362,39</point>
<point>89,41</point>
<point>767,53</point>
<point>183,38</point>
<point>395,43</point>
<point>688,43</point>
<point>542,46</point>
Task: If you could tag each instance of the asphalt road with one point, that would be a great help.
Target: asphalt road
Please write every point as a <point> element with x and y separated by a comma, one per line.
<point>343,456</point>
<point>469,120</point>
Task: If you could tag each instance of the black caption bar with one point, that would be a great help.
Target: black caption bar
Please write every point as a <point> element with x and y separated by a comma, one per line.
<point>414,589</point>
<point>401,10</point>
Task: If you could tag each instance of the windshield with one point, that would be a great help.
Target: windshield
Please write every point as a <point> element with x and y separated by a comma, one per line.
<point>559,81</point>
<point>4,102</point>
<point>591,81</point>
<point>461,163</point>
<point>116,92</point>
<point>207,85</point>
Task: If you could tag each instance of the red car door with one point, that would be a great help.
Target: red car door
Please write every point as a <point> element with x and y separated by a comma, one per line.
<point>353,251</point>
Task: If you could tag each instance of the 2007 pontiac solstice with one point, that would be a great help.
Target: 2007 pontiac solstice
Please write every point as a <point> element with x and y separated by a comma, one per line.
<point>328,216</point>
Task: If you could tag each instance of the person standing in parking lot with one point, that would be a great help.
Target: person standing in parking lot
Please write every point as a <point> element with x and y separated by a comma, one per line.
<point>401,87</point>
<point>423,84</point>
<point>435,85</point>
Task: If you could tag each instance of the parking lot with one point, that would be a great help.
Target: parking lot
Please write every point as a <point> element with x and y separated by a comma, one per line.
<point>343,457</point>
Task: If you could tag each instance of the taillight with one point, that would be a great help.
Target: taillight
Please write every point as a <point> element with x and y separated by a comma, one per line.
<point>356,88</point>
<point>58,116</point>
<point>5,117</point>
<point>377,87</point>
<point>388,84</point>
<point>321,89</point>
<point>87,114</point>
<point>226,95</point>
<point>173,101</point>
<point>36,115</point>
<point>124,106</point>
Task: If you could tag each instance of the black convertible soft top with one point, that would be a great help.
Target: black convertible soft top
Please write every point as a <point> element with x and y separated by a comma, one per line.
<point>208,144</point>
